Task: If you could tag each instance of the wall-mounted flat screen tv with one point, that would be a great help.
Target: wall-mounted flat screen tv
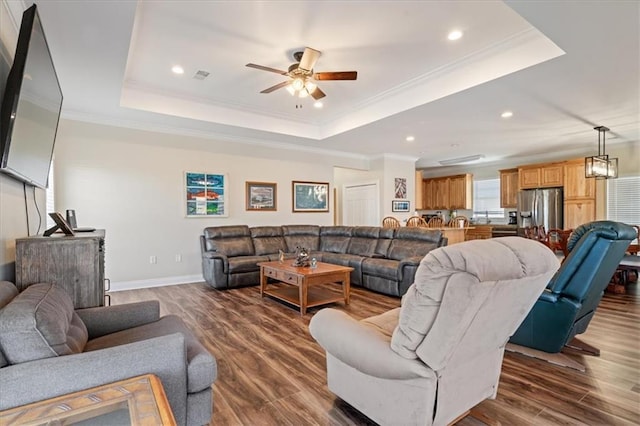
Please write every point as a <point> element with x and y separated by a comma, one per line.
<point>30,107</point>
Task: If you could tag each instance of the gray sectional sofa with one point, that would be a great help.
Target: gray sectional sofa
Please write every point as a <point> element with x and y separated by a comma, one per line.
<point>383,260</point>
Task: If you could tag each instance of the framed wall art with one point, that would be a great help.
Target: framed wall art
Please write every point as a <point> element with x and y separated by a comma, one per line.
<point>261,196</point>
<point>206,194</point>
<point>399,206</point>
<point>310,196</point>
<point>400,188</point>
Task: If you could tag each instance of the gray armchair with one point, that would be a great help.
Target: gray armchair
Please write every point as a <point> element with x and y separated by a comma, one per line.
<point>47,349</point>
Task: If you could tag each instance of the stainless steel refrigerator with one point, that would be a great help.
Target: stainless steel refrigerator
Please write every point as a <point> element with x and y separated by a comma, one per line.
<point>541,207</point>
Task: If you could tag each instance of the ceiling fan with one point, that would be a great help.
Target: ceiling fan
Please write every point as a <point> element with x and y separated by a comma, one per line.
<point>302,77</point>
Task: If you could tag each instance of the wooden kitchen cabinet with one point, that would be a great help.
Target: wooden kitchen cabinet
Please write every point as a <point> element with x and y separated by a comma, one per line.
<point>419,191</point>
<point>441,194</point>
<point>509,188</point>
<point>460,192</point>
<point>541,176</point>
<point>448,192</point>
<point>428,202</point>
<point>529,178</point>
<point>576,185</point>
<point>578,212</point>
<point>479,232</point>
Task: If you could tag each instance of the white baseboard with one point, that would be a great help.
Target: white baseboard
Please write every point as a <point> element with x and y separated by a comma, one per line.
<point>155,282</point>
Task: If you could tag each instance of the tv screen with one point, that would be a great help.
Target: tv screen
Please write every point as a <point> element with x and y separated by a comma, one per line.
<point>30,107</point>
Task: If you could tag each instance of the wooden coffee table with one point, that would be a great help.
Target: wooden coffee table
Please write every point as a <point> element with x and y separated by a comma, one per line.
<point>302,279</point>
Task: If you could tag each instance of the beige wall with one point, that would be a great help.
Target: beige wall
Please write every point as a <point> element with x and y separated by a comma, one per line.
<point>130,183</point>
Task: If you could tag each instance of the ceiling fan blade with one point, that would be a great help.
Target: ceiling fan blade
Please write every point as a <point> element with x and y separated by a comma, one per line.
<point>276,87</point>
<point>263,68</point>
<point>336,75</point>
<point>309,58</point>
<point>318,94</point>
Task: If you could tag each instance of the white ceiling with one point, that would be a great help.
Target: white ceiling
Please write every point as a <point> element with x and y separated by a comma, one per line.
<point>561,67</point>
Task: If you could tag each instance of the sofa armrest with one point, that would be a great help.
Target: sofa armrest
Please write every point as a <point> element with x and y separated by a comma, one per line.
<point>410,261</point>
<point>163,356</point>
<point>110,319</point>
<point>363,347</point>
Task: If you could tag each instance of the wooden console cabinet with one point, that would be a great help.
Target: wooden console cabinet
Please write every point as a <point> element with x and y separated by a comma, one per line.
<point>76,264</point>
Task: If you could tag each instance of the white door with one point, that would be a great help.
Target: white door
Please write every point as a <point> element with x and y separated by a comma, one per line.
<point>361,205</point>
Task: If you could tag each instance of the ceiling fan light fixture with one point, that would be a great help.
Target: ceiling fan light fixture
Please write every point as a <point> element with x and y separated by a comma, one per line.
<point>310,86</point>
<point>297,84</point>
<point>291,90</point>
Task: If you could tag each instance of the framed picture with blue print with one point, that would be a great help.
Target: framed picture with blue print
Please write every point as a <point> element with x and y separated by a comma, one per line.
<point>206,194</point>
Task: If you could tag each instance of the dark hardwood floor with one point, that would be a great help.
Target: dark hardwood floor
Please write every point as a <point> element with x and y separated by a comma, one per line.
<point>272,372</point>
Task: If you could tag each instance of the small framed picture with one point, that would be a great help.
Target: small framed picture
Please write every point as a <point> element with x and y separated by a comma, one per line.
<point>261,196</point>
<point>400,206</point>
<point>206,194</point>
<point>310,197</point>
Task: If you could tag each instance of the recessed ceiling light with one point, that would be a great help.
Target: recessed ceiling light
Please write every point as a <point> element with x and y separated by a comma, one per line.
<point>455,35</point>
<point>318,104</point>
<point>506,114</point>
<point>410,138</point>
<point>455,145</point>
<point>177,69</point>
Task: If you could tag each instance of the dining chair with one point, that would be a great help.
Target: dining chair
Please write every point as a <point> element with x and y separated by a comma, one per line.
<point>458,222</point>
<point>390,222</point>
<point>416,221</point>
<point>435,222</point>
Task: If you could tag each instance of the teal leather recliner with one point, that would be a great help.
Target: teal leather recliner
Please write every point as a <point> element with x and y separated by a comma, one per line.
<point>569,301</point>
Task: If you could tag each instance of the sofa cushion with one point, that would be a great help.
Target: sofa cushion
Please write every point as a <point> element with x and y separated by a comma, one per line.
<point>245,263</point>
<point>335,239</point>
<point>201,366</point>
<point>232,240</point>
<point>268,240</point>
<point>307,236</point>
<point>40,323</point>
<point>364,240</point>
<point>384,268</point>
<point>410,242</point>
<point>384,241</point>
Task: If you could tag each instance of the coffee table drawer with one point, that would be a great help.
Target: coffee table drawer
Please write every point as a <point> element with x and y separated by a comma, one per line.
<point>283,276</point>
<point>288,277</point>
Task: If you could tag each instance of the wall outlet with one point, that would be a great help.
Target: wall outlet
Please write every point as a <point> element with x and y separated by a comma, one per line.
<point>153,260</point>
<point>178,258</point>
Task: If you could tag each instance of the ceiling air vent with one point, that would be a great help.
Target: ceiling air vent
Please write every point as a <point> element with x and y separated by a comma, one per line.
<point>201,75</point>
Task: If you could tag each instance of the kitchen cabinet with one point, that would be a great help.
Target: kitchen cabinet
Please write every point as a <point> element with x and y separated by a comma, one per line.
<point>541,176</point>
<point>509,188</point>
<point>576,185</point>
<point>578,212</point>
<point>448,192</point>
<point>428,202</point>
<point>419,203</point>
<point>460,192</point>
<point>441,194</point>
<point>479,232</point>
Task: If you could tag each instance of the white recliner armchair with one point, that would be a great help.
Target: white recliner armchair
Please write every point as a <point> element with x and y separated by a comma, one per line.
<point>440,353</point>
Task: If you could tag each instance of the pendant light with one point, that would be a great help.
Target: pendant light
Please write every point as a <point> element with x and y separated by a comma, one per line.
<point>601,166</point>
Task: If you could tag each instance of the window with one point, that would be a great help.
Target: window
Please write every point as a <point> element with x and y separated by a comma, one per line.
<point>623,200</point>
<point>486,199</point>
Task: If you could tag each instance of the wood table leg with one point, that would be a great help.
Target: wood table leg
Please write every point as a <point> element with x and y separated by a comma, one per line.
<point>263,281</point>
<point>346,288</point>
<point>303,297</point>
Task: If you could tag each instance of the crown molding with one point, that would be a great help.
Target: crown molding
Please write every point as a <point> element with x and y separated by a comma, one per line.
<point>219,136</point>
